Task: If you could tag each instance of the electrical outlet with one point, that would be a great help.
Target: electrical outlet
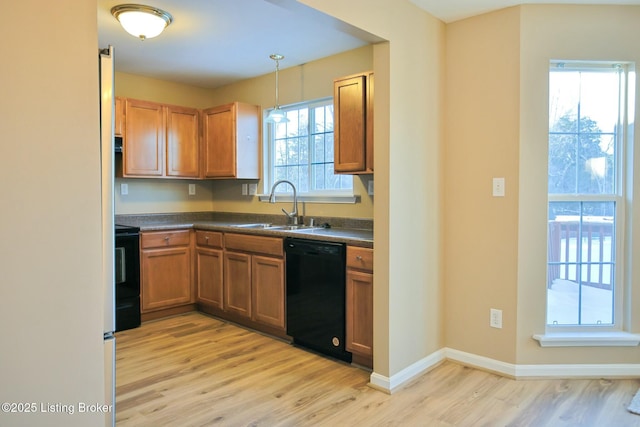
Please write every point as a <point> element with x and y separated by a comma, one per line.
<point>370,187</point>
<point>244,190</point>
<point>495,320</point>
<point>253,189</point>
<point>124,189</point>
<point>192,189</point>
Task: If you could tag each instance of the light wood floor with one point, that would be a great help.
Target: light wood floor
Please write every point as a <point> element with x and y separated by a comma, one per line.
<point>194,370</point>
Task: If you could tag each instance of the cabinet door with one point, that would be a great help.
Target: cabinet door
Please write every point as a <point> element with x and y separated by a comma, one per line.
<point>359,334</point>
<point>143,149</point>
<point>350,134</point>
<point>237,283</point>
<point>219,142</point>
<point>119,119</point>
<point>183,142</point>
<point>268,291</point>
<point>209,277</point>
<point>166,277</point>
<point>369,126</point>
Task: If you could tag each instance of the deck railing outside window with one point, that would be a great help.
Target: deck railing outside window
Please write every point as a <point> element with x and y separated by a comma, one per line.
<point>582,252</point>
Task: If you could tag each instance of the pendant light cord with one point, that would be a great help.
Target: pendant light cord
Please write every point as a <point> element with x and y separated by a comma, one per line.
<point>277,69</point>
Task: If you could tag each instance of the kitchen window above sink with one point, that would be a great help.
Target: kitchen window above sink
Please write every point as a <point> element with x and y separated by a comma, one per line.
<point>301,151</point>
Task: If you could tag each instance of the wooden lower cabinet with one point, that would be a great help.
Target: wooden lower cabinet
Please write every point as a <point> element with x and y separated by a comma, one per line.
<point>359,302</point>
<point>254,281</point>
<point>209,278</point>
<point>209,269</point>
<point>237,283</point>
<point>166,268</point>
<point>268,290</point>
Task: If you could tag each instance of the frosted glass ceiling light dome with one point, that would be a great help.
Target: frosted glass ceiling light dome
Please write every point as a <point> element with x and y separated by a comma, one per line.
<point>277,115</point>
<point>142,21</point>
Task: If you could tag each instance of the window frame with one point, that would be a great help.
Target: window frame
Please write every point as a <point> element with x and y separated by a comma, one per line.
<point>284,192</point>
<point>590,334</point>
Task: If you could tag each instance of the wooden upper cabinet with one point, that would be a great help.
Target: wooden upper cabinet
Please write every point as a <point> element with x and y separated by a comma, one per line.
<point>183,142</point>
<point>119,119</point>
<point>144,139</point>
<point>231,141</point>
<point>161,140</point>
<point>353,124</point>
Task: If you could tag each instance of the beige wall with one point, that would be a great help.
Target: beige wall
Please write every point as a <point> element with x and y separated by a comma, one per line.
<point>150,89</point>
<point>51,307</point>
<point>300,83</point>
<point>481,231</point>
<point>496,125</point>
<point>407,213</point>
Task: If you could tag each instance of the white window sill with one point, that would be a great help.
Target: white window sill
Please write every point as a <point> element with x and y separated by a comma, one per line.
<point>320,198</point>
<point>587,339</point>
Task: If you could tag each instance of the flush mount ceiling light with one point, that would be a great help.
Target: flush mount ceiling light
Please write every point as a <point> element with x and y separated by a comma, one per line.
<point>277,115</point>
<point>142,21</point>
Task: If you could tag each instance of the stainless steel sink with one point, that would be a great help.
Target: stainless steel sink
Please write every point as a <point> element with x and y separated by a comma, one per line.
<point>263,226</point>
<point>288,227</point>
<point>269,226</point>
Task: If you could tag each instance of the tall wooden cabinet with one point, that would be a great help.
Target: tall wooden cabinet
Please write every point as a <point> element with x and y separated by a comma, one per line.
<point>359,302</point>
<point>230,144</point>
<point>353,123</point>
<point>160,140</point>
<point>166,269</point>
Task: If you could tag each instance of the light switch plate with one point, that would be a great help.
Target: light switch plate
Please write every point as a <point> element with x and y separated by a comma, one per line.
<point>192,189</point>
<point>495,320</point>
<point>498,187</point>
<point>253,189</point>
<point>370,187</point>
<point>124,189</point>
<point>245,191</point>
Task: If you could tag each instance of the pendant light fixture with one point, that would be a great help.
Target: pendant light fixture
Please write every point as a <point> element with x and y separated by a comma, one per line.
<point>142,21</point>
<point>277,115</point>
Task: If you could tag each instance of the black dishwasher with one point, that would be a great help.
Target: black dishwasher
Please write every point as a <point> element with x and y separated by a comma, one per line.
<point>316,295</point>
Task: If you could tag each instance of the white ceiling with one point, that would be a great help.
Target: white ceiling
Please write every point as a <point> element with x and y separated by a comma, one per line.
<point>453,10</point>
<point>216,42</point>
<point>212,43</point>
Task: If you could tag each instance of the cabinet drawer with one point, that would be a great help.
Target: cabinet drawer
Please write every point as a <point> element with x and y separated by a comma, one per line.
<point>254,244</point>
<point>162,239</point>
<point>360,258</point>
<point>210,239</point>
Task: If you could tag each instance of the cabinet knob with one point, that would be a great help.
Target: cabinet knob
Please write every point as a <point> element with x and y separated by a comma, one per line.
<point>206,238</point>
<point>358,257</point>
<point>166,239</point>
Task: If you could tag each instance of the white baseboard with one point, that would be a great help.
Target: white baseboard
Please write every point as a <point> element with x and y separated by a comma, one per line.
<point>390,384</point>
<point>545,371</point>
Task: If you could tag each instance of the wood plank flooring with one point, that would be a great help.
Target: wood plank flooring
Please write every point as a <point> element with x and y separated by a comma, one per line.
<point>194,370</point>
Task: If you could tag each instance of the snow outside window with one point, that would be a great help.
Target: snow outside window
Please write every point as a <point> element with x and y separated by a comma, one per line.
<point>585,194</point>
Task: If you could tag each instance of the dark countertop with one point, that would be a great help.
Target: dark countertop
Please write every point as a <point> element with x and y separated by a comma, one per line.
<point>344,231</point>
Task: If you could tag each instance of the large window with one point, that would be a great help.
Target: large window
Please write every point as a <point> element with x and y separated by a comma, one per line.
<point>587,110</point>
<point>301,151</point>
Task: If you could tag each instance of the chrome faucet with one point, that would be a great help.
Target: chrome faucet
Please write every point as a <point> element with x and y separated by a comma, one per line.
<point>293,215</point>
